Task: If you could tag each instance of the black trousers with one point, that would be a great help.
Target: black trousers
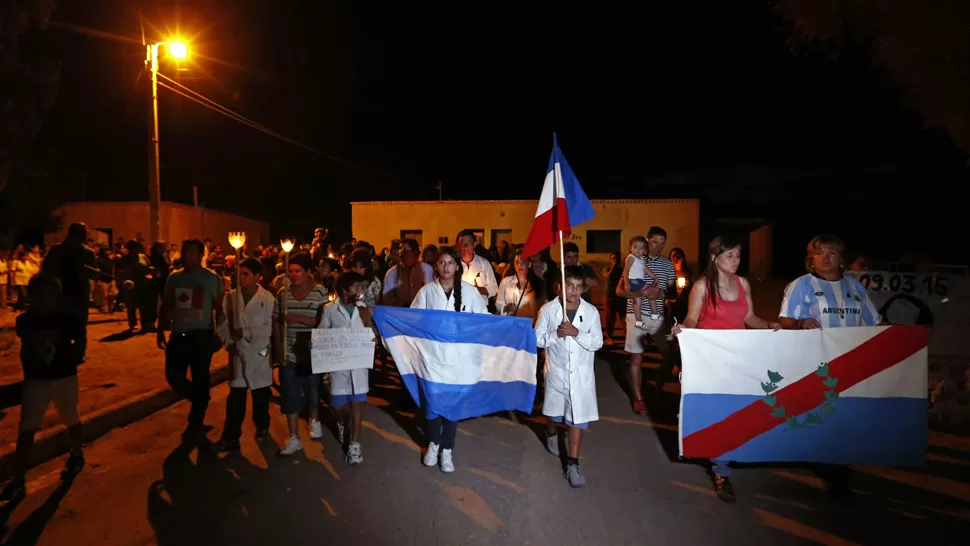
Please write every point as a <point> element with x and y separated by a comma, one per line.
<point>615,308</point>
<point>236,411</point>
<point>187,351</point>
<point>442,432</point>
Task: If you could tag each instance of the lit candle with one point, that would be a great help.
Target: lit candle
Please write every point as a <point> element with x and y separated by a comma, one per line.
<point>237,239</point>
<point>287,246</point>
<point>681,282</point>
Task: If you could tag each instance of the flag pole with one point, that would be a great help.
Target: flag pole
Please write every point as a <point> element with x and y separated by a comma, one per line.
<point>555,204</point>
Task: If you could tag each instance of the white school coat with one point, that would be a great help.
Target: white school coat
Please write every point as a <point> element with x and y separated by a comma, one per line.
<point>345,381</point>
<point>248,368</point>
<point>432,296</point>
<point>570,382</point>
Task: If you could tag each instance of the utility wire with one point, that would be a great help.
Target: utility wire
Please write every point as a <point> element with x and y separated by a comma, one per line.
<point>216,107</point>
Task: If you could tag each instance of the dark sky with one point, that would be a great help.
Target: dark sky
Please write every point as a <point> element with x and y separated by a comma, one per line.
<point>470,96</point>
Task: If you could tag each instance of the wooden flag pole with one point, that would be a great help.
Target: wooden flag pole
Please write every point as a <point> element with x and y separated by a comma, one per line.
<point>555,216</point>
<point>562,267</point>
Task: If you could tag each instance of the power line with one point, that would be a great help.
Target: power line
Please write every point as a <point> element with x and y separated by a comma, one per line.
<point>216,107</point>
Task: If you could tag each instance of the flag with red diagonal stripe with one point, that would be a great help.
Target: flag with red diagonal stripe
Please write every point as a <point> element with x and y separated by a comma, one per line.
<point>839,395</point>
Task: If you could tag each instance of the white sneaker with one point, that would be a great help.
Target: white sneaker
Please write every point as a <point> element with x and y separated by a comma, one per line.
<point>316,430</point>
<point>447,465</point>
<point>292,446</point>
<point>431,457</point>
<point>340,432</point>
<point>355,454</point>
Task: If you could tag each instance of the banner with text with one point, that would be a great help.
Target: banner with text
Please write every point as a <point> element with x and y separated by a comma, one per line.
<point>337,349</point>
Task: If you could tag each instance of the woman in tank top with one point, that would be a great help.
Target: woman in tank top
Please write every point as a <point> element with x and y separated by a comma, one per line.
<point>721,300</point>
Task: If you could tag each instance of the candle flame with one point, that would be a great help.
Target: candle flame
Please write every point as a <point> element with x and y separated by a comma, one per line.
<point>286,244</point>
<point>681,282</point>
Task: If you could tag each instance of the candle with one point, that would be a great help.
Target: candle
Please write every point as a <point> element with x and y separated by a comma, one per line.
<point>681,282</point>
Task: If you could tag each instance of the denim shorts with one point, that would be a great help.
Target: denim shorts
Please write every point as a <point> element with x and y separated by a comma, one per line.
<point>581,426</point>
<point>340,400</point>
<point>637,285</point>
<point>298,390</point>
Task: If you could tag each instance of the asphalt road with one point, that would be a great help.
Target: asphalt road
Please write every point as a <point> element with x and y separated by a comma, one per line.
<point>141,486</point>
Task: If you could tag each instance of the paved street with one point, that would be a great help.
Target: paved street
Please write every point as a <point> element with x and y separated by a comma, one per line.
<point>142,487</point>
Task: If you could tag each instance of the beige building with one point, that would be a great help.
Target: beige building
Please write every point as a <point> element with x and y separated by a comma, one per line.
<point>179,222</point>
<point>616,221</point>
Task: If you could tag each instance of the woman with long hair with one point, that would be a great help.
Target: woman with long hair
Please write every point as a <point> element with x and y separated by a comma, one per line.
<point>721,300</point>
<point>447,293</point>
<point>521,293</point>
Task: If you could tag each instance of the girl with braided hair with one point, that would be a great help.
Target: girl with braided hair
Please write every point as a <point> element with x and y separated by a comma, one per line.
<point>447,293</point>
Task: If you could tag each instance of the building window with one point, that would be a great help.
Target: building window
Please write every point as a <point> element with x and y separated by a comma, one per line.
<point>501,235</point>
<point>603,241</point>
<point>412,234</point>
<point>479,234</point>
<point>442,240</point>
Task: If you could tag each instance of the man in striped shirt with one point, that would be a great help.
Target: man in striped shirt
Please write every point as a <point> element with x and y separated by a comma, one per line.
<point>667,278</point>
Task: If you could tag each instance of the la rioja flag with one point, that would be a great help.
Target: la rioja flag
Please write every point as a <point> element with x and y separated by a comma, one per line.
<point>562,205</point>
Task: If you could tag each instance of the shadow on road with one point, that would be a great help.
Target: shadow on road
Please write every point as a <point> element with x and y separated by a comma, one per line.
<point>29,531</point>
<point>119,336</point>
<point>194,502</point>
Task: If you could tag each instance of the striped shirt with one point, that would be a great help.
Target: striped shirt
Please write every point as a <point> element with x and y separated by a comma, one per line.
<point>666,275</point>
<point>834,304</point>
<point>298,335</point>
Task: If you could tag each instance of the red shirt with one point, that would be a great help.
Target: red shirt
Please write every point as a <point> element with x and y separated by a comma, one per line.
<point>728,315</point>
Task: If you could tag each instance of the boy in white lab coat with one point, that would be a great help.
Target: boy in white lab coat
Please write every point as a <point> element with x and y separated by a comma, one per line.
<point>348,387</point>
<point>571,342</point>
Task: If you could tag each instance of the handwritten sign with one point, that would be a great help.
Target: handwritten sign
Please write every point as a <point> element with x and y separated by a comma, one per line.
<point>336,349</point>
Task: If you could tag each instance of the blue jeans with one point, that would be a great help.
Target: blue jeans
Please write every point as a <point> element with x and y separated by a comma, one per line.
<point>721,468</point>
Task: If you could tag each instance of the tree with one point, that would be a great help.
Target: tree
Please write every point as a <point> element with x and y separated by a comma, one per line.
<point>28,79</point>
<point>921,44</point>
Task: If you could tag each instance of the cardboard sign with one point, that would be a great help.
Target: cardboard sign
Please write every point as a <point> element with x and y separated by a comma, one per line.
<point>336,349</point>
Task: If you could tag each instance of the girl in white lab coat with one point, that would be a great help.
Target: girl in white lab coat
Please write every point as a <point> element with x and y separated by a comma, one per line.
<point>348,387</point>
<point>447,293</point>
<point>571,342</point>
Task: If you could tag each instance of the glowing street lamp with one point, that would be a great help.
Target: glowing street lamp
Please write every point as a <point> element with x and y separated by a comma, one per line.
<point>178,50</point>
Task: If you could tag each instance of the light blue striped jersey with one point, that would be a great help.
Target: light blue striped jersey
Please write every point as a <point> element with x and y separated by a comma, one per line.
<point>834,304</point>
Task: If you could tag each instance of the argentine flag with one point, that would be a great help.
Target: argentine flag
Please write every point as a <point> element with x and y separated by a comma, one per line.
<point>461,365</point>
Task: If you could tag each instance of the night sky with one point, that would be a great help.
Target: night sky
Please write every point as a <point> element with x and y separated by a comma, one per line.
<point>675,100</point>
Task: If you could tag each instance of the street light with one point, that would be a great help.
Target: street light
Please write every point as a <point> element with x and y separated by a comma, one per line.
<point>178,50</point>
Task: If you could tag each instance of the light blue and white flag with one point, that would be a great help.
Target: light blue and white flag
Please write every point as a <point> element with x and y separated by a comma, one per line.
<point>461,365</point>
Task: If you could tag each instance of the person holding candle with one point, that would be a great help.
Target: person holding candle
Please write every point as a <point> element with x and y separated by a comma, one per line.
<point>477,270</point>
<point>348,387</point>
<point>571,339</point>
<point>246,333</point>
<point>447,293</point>
<point>302,301</point>
<point>521,292</point>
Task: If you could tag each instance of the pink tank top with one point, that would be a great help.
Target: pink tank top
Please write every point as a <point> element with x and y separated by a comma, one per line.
<point>729,315</point>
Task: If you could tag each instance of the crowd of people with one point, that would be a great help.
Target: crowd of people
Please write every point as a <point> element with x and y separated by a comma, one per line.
<point>263,309</point>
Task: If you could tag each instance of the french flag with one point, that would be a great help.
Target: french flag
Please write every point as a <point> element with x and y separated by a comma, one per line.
<point>461,365</point>
<point>562,205</point>
<point>834,395</point>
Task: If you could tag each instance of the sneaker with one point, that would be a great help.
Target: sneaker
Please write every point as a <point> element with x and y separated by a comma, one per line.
<point>341,430</point>
<point>574,473</point>
<point>292,446</point>
<point>224,445</point>
<point>316,429</point>
<point>431,456</point>
<point>73,466</point>
<point>724,488</point>
<point>355,454</point>
<point>655,316</point>
<point>640,325</point>
<point>262,434</point>
<point>552,444</point>
<point>447,464</point>
<point>15,491</point>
